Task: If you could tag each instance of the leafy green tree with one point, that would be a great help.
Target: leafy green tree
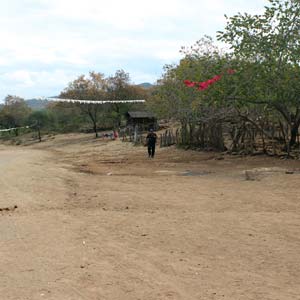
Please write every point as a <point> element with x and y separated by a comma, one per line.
<point>268,49</point>
<point>97,87</point>
<point>40,119</point>
<point>88,88</point>
<point>65,117</point>
<point>14,113</point>
<point>119,87</point>
<point>172,99</point>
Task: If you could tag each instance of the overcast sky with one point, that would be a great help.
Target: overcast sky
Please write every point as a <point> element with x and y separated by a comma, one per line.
<point>47,43</point>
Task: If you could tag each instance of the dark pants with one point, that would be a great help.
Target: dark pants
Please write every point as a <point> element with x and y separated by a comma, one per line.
<point>151,150</point>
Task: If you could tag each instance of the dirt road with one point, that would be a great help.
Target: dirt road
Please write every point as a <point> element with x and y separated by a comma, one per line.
<point>90,219</point>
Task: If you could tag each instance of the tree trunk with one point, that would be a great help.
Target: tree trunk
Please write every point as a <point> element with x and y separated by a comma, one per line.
<point>95,129</point>
<point>39,134</point>
<point>184,132</point>
<point>16,131</point>
<point>191,133</point>
<point>93,116</point>
<point>294,133</point>
<point>293,121</point>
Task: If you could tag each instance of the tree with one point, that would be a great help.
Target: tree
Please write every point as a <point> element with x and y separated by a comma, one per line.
<point>14,113</point>
<point>119,87</point>
<point>268,49</point>
<point>172,99</point>
<point>97,87</point>
<point>91,88</point>
<point>11,100</point>
<point>39,120</point>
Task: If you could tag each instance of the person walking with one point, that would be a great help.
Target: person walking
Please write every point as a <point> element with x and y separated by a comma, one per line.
<point>151,142</point>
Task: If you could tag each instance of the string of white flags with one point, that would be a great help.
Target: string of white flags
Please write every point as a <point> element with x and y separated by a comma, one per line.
<point>90,101</point>
<point>77,101</point>
<point>15,128</point>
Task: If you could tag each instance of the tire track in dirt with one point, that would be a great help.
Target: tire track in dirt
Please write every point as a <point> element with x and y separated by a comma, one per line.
<point>15,226</point>
<point>131,228</point>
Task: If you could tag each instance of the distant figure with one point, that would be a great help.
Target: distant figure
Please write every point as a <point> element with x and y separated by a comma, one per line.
<point>151,142</point>
<point>115,134</point>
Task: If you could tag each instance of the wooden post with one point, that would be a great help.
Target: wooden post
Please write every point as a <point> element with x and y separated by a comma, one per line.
<point>39,133</point>
<point>135,134</point>
<point>273,142</point>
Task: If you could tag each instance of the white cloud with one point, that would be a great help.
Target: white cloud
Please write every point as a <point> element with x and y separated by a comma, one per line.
<point>20,77</point>
<point>22,80</point>
<point>130,14</point>
<point>45,43</point>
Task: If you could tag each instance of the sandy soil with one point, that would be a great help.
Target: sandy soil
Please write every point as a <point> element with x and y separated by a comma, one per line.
<point>98,220</point>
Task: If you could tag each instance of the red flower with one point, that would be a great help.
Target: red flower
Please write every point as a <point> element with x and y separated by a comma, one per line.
<point>203,85</point>
<point>189,83</point>
<point>216,78</point>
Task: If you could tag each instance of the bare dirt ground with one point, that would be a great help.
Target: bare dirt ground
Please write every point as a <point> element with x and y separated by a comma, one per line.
<point>86,219</point>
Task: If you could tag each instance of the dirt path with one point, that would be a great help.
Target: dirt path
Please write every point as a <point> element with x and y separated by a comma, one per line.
<point>96,220</point>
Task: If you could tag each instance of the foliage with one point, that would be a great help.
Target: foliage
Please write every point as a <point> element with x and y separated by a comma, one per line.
<point>268,49</point>
<point>88,88</point>
<point>97,87</point>
<point>40,119</point>
<point>119,87</point>
<point>259,102</point>
<point>14,113</point>
<point>172,99</point>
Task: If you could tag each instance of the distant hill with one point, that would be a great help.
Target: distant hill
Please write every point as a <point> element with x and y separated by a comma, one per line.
<point>145,85</point>
<point>34,104</point>
<point>37,104</point>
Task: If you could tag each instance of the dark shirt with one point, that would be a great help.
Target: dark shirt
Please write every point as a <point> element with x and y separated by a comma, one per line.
<point>151,139</point>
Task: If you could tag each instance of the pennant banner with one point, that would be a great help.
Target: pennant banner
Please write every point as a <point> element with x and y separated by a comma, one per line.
<point>77,101</point>
<point>9,129</point>
<point>205,84</point>
<point>90,101</point>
